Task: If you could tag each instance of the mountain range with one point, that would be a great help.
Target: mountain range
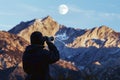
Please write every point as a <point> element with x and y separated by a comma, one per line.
<point>86,54</point>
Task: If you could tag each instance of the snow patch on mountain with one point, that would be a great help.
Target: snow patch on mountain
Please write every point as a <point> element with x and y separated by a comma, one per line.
<point>57,39</point>
<point>62,36</point>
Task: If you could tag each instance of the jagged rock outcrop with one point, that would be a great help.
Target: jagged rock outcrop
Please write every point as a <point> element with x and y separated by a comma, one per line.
<point>11,50</point>
<point>11,47</point>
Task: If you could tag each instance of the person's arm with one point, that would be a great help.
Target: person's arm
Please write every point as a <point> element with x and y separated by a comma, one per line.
<point>54,53</point>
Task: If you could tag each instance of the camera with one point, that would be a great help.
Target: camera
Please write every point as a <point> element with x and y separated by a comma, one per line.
<point>46,38</point>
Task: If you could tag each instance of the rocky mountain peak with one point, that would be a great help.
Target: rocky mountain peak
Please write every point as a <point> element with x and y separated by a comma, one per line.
<point>46,25</point>
<point>102,36</point>
<point>100,32</point>
<point>105,30</point>
<point>103,27</point>
<point>37,20</point>
<point>48,18</point>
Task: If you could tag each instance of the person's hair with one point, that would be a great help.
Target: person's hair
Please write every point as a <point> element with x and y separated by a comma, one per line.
<point>37,38</point>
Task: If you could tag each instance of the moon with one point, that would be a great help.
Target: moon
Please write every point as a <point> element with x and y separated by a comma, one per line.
<point>63,9</point>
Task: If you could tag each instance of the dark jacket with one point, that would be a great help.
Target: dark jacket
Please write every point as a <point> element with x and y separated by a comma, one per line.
<point>36,61</point>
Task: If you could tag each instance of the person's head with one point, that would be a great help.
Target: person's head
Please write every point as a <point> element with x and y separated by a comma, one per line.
<point>37,38</point>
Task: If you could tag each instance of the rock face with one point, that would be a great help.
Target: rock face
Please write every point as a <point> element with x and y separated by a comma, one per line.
<point>11,49</point>
<point>11,45</point>
<point>95,52</point>
<point>98,37</point>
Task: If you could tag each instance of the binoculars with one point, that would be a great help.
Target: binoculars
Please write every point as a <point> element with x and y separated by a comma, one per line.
<point>46,38</point>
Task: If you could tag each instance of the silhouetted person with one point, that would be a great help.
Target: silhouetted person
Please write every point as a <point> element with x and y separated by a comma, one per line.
<point>36,59</point>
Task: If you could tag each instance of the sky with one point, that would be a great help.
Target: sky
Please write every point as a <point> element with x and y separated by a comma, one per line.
<point>82,14</point>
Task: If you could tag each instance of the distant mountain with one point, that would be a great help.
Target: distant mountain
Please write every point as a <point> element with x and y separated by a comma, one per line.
<point>95,52</point>
<point>102,36</point>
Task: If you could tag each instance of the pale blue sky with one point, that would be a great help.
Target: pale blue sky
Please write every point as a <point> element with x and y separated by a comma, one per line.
<point>82,13</point>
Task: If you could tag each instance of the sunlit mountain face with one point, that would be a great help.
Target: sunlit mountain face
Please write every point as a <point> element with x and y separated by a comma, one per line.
<point>86,54</point>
